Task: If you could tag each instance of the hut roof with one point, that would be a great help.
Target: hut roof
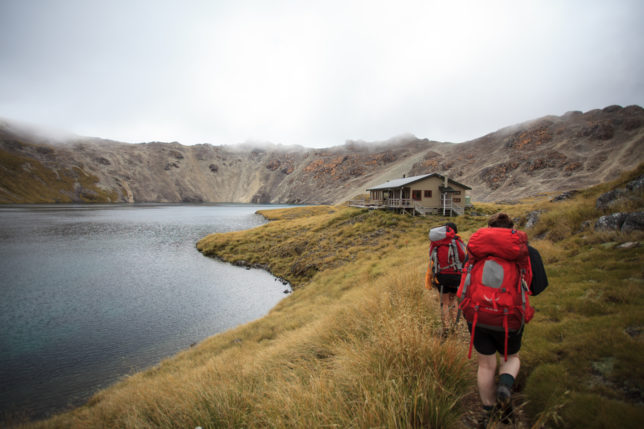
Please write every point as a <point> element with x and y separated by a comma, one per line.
<point>399,183</point>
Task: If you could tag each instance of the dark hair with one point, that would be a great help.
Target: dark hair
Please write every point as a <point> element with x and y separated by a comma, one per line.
<point>453,226</point>
<point>500,220</point>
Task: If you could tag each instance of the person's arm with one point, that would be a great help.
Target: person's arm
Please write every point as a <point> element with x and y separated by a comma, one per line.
<point>539,277</point>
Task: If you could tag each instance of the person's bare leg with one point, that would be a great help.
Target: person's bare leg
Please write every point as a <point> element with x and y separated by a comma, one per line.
<point>485,379</point>
<point>445,311</point>
<point>511,366</point>
<point>452,308</point>
<point>508,372</point>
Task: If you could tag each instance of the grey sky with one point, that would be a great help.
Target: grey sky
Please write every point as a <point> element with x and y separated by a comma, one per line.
<point>313,73</point>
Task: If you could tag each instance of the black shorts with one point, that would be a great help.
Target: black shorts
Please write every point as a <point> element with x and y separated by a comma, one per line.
<point>450,282</point>
<point>488,342</point>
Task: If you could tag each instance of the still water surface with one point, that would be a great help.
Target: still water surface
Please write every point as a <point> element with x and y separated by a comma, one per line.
<point>89,294</point>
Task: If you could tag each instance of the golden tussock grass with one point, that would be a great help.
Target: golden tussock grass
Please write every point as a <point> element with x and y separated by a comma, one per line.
<point>371,359</point>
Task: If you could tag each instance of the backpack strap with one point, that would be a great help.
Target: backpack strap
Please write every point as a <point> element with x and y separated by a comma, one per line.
<point>462,247</point>
<point>433,256</point>
<point>466,281</point>
<point>458,266</point>
<point>505,328</point>
<point>450,256</point>
<point>524,288</point>
<point>476,317</point>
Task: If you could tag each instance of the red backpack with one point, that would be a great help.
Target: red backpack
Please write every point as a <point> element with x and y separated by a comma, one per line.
<point>446,251</point>
<point>494,290</point>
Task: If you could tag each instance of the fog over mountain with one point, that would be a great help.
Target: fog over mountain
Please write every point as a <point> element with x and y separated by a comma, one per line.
<point>553,153</point>
<point>313,73</point>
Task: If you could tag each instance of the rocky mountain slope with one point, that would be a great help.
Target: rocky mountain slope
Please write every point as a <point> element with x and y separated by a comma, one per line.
<point>553,153</point>
<point>548,154</point>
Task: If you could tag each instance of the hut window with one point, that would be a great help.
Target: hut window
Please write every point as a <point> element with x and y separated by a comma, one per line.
<point>415,195</point>
<point>428,194</point>
<point>457,200</point>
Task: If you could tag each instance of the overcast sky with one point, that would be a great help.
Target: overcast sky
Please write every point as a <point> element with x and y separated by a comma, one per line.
<point>313,73</point>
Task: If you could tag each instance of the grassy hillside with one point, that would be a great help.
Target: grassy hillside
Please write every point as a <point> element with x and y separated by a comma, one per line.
<point>26,180</point>
<point>356,344</point>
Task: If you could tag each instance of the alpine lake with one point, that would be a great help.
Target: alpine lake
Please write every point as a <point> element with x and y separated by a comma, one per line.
<point>92,293</point>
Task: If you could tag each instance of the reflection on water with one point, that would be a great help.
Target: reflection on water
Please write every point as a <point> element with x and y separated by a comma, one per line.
<point>91,293</point>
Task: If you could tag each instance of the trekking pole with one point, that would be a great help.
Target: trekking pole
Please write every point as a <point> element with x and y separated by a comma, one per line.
<point>441,308</point>
<point>458,317</point>
<point>458,313</point>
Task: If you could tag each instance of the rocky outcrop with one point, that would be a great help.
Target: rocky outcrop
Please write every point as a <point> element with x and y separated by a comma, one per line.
<point>532,218</point>
<point>565,196</point>
<point>624,222</point>
<point>575,150</point>
<point>612,222</point>
<point>630,195</point>
<point>636,185</point>
<point>633,222</point>
<point>632,191</point>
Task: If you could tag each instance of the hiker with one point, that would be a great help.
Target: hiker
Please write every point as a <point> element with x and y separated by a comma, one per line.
<point>502,267</point>
<point>447,254</point>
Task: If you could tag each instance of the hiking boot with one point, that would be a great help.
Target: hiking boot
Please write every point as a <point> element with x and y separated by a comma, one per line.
<point>503,396</point>
<point>484,420</point>
<point>482,423</point>
<point>504,404</point>
<point>487,416</point>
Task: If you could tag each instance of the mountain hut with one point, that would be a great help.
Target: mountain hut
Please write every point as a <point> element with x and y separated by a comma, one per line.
<point>423,195</point>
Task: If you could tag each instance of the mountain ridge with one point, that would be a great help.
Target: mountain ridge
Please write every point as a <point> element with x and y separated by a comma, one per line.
<point>547,154</point>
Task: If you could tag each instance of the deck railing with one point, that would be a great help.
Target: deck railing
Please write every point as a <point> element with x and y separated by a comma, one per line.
<point>437,210</point>
<point>398,202</point>
<point>406,203</point>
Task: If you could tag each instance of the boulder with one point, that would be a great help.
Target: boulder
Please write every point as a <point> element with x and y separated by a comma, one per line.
<point>532,218</point>
<point>633,222</point>
<point>628,245</point>
<point>565,196</point>
<point>636,185</point>
<point>610,198</point>
<point>611,222</point>
<point>607,200</point>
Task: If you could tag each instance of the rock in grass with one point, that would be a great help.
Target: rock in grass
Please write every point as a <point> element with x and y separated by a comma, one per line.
<point>565,196</point>
<point>628,245</point>
<point>636,185</point>
<point>633,222</point>
<point>626,222</point>
<point>611,222</point>
<point>609,199</point>
<point>532,218</point>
